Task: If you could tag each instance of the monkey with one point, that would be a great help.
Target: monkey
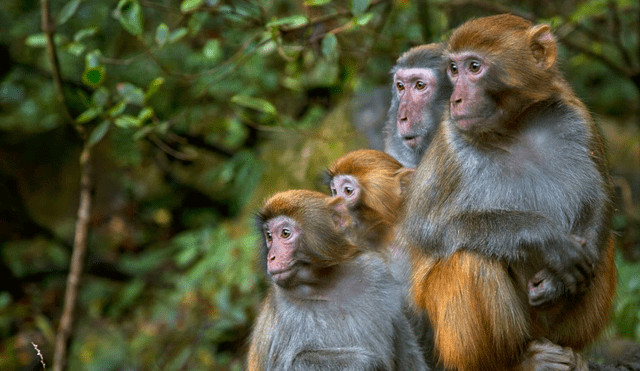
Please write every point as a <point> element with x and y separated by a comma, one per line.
<point>420,91</point>
<point>373,184</point>
<point>332,304</point>
<point>516,170</point>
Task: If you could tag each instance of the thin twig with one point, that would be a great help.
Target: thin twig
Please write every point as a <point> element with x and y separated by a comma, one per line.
<point>39,355</point>
<point>590,53</point>
<point>48,30</point>
<point>77,261</point>
<point>617,32</point>
<point>65,326</point>
<point>167,149</point>
<point>488,6</point>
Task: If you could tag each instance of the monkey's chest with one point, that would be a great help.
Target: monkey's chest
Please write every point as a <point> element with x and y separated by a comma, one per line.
<point>523,184</point>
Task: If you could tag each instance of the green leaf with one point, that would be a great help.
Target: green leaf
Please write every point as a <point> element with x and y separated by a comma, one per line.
<point>117,109</point>
<point>67,11</point>
<point>316,2</point>
<point>254,103</point>
<point>177,35</point>
<point>293,21</point>
<point>154,86</point>
<point>92,59</point>
<point>363,19</point>
<point>38,40</point>
<point>93,77</point>
<point>129,14</point>
<point>127,121</point>
<point>130,93</point>
<point>142,132</point>
<point>84,33</point>
<point>99,132</point>
<point>75,48</point>
<point>145,114</point>
<point>190,5</point>
<point>359,6</point>
<point>88,115</point>
<point>162,32</point>
<point>212,50</point>
<point>100,96</point>
<point>330,45</point>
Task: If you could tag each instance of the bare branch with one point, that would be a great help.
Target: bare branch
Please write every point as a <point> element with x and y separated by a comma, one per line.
<point>49,31</point>
<point>77,261</point>
<point>599,57</point>
<point>488,6</point>
<point>167,149</point>
<point>616,31</point>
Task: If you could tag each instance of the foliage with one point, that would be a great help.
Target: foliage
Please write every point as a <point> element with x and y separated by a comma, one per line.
<point>197,110</point>
<point>627,311</point>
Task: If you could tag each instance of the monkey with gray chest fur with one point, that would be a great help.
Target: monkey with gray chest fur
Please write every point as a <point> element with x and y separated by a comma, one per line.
<point>420,92</point>
<point>332,304</point>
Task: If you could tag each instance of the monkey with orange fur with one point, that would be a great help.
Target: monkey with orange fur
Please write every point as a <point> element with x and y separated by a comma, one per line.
<point>515,173</point>
<point>374,185</point>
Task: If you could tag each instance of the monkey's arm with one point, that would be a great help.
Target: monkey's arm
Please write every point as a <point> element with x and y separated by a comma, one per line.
<point>520,237</point>
<point>407,352</point>
<point>330,359</point>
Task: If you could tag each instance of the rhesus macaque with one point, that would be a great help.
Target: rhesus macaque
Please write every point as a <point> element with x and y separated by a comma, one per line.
<point>420,93</point>
<point>332,305</point>
<point>373,185</point>
<point>507,217</point>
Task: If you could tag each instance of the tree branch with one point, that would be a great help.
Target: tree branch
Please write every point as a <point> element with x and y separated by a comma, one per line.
<point>599,57</point>
<point>616,31</point>
<point>488,6</point>
<point>77,261</point>
<point>48,30</point>
<point>82,224</point>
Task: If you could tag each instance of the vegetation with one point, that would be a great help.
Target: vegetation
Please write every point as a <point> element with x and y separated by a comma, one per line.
<point>138,137</point>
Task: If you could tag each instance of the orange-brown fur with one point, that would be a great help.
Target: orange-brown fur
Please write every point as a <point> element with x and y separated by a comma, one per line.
<point>382,180</point>
<point>478,306</point>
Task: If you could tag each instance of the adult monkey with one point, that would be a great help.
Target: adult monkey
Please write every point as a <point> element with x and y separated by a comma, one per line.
<point>419,94</point>
<point>333,304</point>
<point>374,184</point>
<point>514,174</point>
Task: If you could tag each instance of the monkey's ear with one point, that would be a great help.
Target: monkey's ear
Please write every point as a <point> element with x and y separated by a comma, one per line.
<point>339,213</point>
<point>326,177</point>
<point>405,176</point>
<point>543,46</point>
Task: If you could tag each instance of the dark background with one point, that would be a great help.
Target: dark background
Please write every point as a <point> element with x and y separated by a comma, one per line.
<point>194,112</point>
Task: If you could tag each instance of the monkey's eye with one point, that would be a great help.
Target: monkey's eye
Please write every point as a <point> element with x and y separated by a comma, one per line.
<point>269,237</point>
<point>333,192</point>
<point>285,233</point>
<point>420,85</point>
<point>453,67</point>
<point>348,190</point>
<point>474,66</point>
<point>400,86</point>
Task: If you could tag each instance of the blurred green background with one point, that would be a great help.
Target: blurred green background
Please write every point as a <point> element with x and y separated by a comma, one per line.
<point>195,111</point>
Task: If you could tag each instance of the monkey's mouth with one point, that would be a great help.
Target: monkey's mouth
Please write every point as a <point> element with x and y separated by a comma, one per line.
<point>412,140</point>
<point>281,276</point>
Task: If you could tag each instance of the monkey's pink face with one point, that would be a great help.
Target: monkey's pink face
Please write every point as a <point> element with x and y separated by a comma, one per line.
<point>347,187</point>
<point>471,108</point>
<point>415,88</point>
<point>282,235</point>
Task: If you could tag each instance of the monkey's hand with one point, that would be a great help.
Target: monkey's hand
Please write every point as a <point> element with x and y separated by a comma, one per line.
<point>543,355</point>
<point>545,287</point>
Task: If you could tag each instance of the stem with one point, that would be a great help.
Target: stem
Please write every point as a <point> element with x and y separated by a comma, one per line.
<point>77,262</point>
